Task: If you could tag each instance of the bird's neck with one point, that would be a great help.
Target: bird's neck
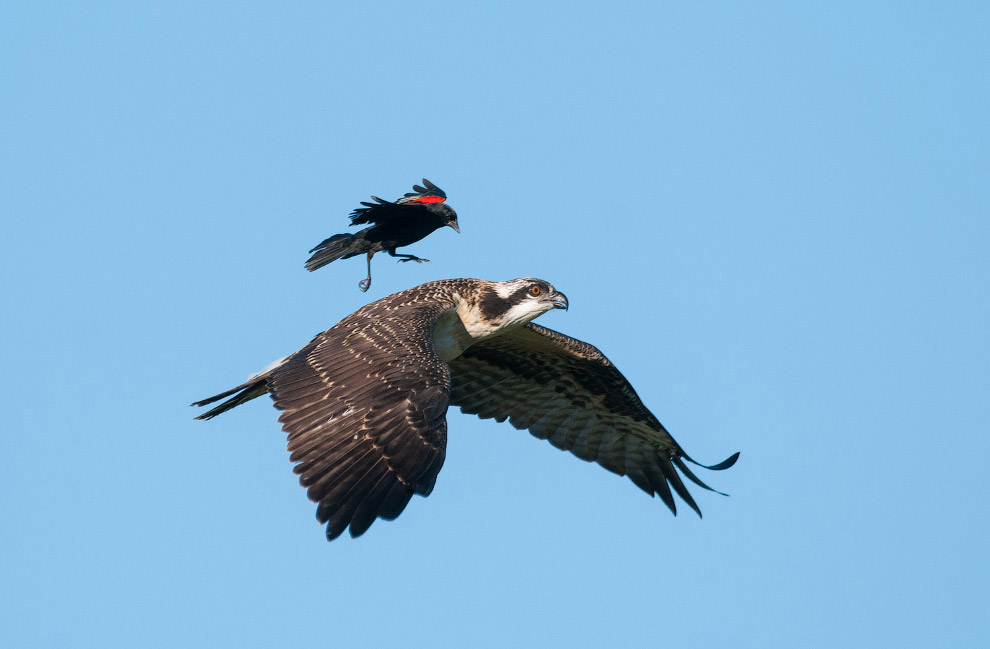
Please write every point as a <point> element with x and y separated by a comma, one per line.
<point>464,325</point>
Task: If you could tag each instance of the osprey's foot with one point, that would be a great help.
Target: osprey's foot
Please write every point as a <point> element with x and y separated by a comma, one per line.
<point>418,260</point>
<point>364,285</point>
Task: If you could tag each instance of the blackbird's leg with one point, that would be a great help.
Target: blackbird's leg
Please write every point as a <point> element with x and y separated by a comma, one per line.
<point>418,260</point>
<point>365,284</point>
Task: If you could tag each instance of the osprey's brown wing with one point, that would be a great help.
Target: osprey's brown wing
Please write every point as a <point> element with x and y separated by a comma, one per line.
<point>365,408</point>
<point>567,392</point>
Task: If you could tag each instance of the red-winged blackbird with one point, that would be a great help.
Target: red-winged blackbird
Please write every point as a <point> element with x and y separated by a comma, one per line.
<point>401,223</point>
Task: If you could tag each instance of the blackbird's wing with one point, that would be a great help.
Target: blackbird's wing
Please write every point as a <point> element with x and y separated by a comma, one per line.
<point>410,206</point>
<point>381,213</point>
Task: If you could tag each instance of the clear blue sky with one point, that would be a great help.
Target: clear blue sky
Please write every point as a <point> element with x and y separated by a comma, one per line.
<point>773,218</point>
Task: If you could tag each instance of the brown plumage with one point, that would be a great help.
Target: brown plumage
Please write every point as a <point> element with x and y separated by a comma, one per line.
<point>364,403</point>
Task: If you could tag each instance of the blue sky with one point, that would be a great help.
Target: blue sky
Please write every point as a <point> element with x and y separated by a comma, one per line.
<point>772,217</point>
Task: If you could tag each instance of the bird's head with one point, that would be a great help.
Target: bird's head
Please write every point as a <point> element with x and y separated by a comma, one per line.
<point>488,309</point>
<point>518,301</point>
<point>432,198</point>
<point>448,214</point>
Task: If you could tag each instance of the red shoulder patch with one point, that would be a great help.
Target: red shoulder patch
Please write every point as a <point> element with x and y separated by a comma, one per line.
<point>428,199</point>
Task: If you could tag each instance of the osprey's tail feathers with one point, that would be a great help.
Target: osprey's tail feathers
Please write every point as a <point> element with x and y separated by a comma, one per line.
<point>255,387</point>
<point>339,246</point>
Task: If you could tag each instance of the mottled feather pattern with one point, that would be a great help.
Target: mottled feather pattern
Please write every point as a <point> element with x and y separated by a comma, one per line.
<point>365,409</point>
<point>567,392</point>
<point>364,403</point>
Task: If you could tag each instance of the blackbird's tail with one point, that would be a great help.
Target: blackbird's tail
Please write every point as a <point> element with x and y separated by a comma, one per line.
<point>339,246</point>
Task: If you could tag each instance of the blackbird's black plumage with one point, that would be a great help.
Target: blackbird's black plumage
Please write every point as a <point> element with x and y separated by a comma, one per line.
<point>392,225</point>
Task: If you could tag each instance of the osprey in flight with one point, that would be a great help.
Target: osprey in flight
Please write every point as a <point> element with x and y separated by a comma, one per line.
<point>401,223</point>
<point>365,402</point>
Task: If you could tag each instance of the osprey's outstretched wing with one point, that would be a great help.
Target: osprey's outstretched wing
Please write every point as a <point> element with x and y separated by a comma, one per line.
<point>365,409</point>
<point>566,391</point>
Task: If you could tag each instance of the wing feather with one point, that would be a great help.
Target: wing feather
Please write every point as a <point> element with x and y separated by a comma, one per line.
<point>382,211</point>
<point>370,508</point>
<point>364,408</point>
<point>395,500</point>
<point>567,392</point>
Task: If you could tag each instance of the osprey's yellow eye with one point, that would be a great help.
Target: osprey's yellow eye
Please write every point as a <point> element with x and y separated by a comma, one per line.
<point>534,289</point>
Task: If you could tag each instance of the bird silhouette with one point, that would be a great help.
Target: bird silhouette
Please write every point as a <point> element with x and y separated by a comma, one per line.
<point>392,225</point>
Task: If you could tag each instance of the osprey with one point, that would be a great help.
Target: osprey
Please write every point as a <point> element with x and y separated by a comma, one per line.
<point>365,402</point>
<point>401,223</point>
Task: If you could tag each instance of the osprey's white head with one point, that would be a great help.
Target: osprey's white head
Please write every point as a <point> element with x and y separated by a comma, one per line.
<point>492,309</point>
<point>520,300</point>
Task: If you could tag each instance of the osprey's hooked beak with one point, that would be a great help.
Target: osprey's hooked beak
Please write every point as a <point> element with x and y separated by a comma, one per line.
<point>559,300</point>
<point>453,224</point>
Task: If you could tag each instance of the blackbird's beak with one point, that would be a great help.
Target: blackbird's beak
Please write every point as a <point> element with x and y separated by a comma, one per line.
<point>453,224</point>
